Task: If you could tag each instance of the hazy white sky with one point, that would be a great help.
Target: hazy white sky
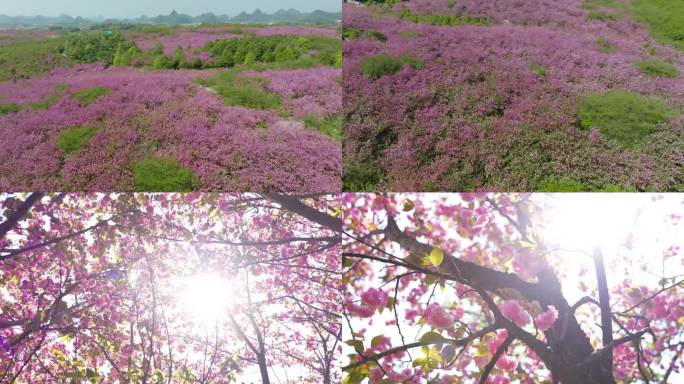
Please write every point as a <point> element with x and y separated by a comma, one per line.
<point>134,8</point>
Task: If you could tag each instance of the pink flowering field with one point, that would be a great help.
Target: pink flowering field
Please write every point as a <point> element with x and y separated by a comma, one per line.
<point>91,127</point>
<point>486,95</point>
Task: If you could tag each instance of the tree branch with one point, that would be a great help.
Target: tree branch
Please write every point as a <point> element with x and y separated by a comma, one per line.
<point>14,217</point>
<point>295,205</point>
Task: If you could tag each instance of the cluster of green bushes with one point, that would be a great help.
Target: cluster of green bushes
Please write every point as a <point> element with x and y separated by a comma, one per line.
<point>243,91</point>
<point>179,60</point>
<point>350,33</point>
<point>275,49</point>
<point>383,64</point>
<point>9,108</point>
<point>97,47</point>
<point>444,20</point>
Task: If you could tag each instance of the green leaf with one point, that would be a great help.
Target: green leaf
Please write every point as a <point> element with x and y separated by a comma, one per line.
<point>377,340</point>
<point>433,337</point>
<point>436,256</point>
<point>347,262</point>
<point>357,344</point>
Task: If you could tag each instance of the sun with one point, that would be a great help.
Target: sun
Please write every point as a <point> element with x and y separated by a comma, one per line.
<point>206,298</point>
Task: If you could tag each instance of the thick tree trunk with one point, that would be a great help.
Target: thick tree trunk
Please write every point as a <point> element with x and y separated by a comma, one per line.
<point>263,369</point>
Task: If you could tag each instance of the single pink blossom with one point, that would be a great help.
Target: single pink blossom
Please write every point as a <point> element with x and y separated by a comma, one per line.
<point>437,317</point>
<point>375,298</point>
<point>547,319</point>
<point>513,311</point>
<point>507,363</point>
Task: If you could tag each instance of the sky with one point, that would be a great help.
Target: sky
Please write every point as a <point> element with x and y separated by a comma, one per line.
<point>134,8</point>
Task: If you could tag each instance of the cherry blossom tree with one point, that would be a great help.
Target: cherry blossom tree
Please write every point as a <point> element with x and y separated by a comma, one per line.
<point>169,288</point>
<point>513,288</point>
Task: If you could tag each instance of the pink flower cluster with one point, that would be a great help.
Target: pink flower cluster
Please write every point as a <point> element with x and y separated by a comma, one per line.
<point>462,121</point>
<point>436,316</point>
<point>157,113</point>
<point>314,91</point>
<point>375,298</point>
<point>546,320</point>
<point>513,311</point>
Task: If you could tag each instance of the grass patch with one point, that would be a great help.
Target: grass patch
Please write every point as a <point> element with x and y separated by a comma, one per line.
<point>58,92</point>
<point>599,4</point>
<point>626,117</point>
<point>87,96</point>
<point>443,20</point>
<point>74,139</point>
<point>243,91</point>
<point>570,185</point>
<point>602,16</point>
<point>380,65</point>
<point>9,108</point>
<point>249,97</point>
<point>331,125</point>
<point>162,175</point>
<point>605,46</point>
<point>657,68</point>
<point>24,59</point>
<point>665,19</point>
<point>414,62</point>
<point>539,70</point>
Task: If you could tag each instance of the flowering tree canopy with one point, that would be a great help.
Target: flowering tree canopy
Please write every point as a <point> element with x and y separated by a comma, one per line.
<point>501,288</point>
<point>169,288</point>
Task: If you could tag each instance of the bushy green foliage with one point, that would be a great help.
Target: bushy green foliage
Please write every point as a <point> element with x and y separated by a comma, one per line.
<point>664,17</point>
<point>71,140</point>
<point>380,65</point>
<point>58,92</point>
<point>162,175</point>
<point>273,49</point>
<point>626,117</point>
<point>569,185</point>
<point>413,62</point>
<point>124,57</point>
<point>88,95</point>
<point>361,176</point>
<point>243,91</point>
<point>657,68</point>
<point>445,20</point>
<point>9,108</point>
<point>331,125</point>
<point>23,59</point>
<point>96,47</point>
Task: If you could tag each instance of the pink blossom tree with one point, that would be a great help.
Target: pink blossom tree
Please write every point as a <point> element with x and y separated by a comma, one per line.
<point>513,288</point>
<point>169,288</point>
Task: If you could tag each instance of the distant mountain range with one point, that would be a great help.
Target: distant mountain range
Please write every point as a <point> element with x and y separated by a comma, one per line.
<point>281,16</point>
